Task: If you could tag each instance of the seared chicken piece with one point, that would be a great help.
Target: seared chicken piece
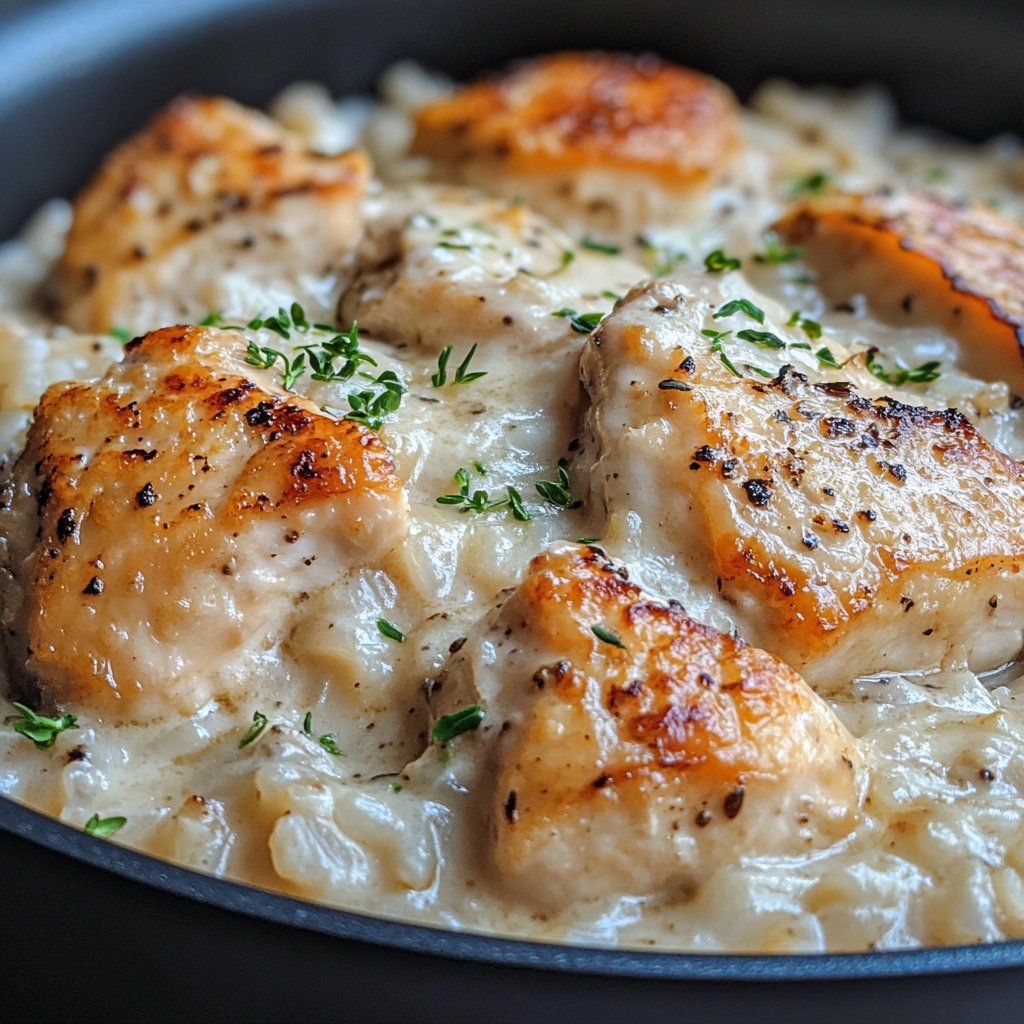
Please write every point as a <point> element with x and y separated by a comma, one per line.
<point>452,267</point>
<point>606,142</point>
<point>920,259</point>
<point>167,520</point>
<point>832,521</point>
<point>210,207</point>
<point>632,748</point>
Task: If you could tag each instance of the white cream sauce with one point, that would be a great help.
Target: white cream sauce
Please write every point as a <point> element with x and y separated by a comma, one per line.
<point>939,856</point>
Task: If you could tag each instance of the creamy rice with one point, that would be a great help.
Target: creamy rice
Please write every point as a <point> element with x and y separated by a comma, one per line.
<point>939,855</point>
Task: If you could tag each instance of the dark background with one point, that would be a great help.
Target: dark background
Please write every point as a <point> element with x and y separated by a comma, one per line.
<point>77,942</point>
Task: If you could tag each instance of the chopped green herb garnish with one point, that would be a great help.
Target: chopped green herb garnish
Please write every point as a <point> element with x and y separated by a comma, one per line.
<point>811,185</point>
<point>369,408</point>
<point>775,252</point>
<point>556,492</point>
<point>740,306</point>
<point>606,635</point>
<point>307,723</point>
<point>480,468</point>
<point>479,501</point>
<point>662,259</point>
<point>567,257</point>
<point>587,540</point>
<point>42,731</point>
<point>825,357</point>
<point>122,334</point>
<point>614,296</point>
<point>762,339</point>
<point>454,245</point>
<point>810,327</point>
<point>395,787</point>
<point>716,262</point>
<point>253,733</point>
<point>594,246</point>
<point>900,374</point>
<point>391,631</point>
<point>344,345</point>
<point>515,504</point>
<point>581,323</point>
<point>466,719</point>
<point>104,828</point>
<point>440,378</point>
<point>328,742</point>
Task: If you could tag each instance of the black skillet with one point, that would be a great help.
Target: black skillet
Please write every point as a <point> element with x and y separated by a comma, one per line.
<point>91,931</point>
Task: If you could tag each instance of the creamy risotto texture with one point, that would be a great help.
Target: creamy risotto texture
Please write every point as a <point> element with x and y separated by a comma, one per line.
<point>569,506</point>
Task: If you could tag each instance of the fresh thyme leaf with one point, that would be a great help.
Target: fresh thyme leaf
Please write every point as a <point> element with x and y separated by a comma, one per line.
<point>440,378</point>
<point>40,729</point>
<point>810,327</point>
<point>369,408</point>
<point>567,257</point>
<point>762,339</point>
<point>718,336</point>
<point>556,492</point>
<point>395,787</point>
<point>104,828</point>
<point>607,294</point>
<point>581,323</point>
<point>812,185</point>
<point>515,504</point>
<point>740,306</point>
<point>466,719</point>
<point>594,246</point>
<point>253,733</point>
<point>662,259</point>
<point>607,636</point>
<point>775,252</point>
<point>391,631</point>
<point>122,334</point>
<point>825,357</point>
<point>900,374</point>
<point>212,319</point>
<point>716,262</point>
<point>330,744</point>
<point>461,376</point>
<point>307,723</point>
<point>480,468</point>
<point>479,501</point>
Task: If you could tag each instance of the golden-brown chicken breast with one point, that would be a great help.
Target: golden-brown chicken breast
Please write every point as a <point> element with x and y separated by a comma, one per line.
<point>831,519</point>
<point>166,521</point>
<point>918,258</point>
<point>210,207</point>
<point>601,141</point>
<point>634,748</point>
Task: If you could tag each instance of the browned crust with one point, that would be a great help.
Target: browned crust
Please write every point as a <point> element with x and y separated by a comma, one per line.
<point>572,110</point>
